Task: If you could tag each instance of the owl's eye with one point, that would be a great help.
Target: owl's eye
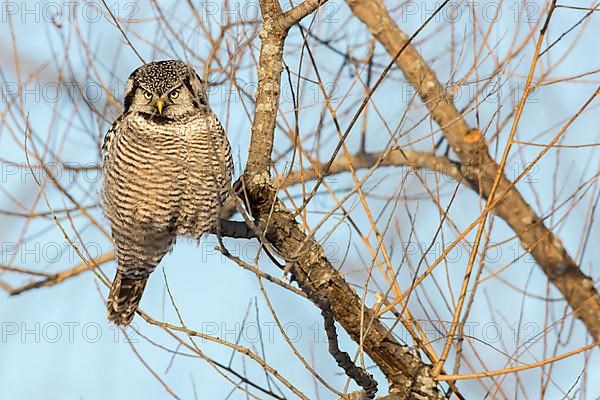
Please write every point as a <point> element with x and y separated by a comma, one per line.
<point>174,94</point>
<point>147,95</point>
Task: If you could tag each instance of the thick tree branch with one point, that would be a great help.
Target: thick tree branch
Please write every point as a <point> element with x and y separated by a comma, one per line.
<point>407,374</point>
<point>480,168</point>
<point>234,229</point>
<point>274,31</point>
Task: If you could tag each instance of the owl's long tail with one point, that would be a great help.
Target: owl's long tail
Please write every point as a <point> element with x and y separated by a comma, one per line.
<point>123,299</point>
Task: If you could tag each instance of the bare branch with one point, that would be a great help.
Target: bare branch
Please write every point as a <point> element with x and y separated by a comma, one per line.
<point>480,168</point>
<point>293,16</point>
<point>313,272</point>
<point>396,158</point>
<point>62,276</point>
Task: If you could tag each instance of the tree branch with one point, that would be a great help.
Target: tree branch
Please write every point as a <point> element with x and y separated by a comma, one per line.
<point>294,15</point>
<point>395,157</point>
<point>480,168</point>
<point>62,276</point>
<point>234,229</point>
<point>406,372</point>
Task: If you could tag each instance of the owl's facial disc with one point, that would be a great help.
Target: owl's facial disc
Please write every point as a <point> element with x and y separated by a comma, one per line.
<point>168,100</point>
<point>174,103</point>
<point>168,89</point>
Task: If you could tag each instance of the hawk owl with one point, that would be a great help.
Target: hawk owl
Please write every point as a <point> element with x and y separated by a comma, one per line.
<point>167,169</point>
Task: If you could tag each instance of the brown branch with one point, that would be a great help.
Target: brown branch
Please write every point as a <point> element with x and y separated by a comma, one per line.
<point>360,395</point>
<point>406,372</point>
<point>395,157</point>
<point>294,15</point>
<point>272,37</point>
<point>234,229</point>
<point>480,168</point>
<point>343,360</point>
<point>62,276</point>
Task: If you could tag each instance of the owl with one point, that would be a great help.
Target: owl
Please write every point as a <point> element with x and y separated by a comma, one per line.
<point>167,170</point>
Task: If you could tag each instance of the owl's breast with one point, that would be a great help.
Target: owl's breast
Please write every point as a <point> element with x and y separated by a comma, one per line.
<point>206,175</point>
<point>143,181</point>
<point>167,176</point>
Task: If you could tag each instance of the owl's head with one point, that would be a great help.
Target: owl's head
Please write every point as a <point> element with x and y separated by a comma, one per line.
<point>168,89</point>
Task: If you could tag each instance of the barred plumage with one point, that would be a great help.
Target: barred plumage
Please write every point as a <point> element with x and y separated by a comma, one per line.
<point>166,173</point>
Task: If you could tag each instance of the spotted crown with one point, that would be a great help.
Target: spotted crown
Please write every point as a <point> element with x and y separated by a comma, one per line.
<point>161,76</point>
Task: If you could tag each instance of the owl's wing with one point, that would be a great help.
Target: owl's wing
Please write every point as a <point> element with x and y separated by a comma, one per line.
<point>223,144</point>
<point>110,135</point>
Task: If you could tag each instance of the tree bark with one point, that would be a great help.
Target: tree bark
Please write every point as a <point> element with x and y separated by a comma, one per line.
<point>480,168</point>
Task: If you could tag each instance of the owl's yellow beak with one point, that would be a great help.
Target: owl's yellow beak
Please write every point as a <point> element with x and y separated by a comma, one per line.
<point>160,104</point>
